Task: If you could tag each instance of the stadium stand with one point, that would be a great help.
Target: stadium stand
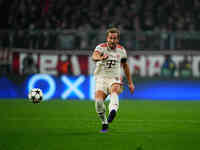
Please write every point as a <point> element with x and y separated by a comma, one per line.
<point>75,24</point>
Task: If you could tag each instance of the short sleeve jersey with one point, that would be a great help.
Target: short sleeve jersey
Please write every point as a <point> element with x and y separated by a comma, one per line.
<point>111,67</point>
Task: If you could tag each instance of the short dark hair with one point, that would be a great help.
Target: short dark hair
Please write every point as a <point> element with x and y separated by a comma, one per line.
<point>113,30</point>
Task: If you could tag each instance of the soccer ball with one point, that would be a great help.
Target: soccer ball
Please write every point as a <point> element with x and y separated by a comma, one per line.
<point>35,95</point>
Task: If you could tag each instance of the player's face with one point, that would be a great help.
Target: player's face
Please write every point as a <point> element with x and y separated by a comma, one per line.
<point>112,40</point>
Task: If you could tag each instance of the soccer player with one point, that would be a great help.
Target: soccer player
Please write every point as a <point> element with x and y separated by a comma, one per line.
<point>109,58</point>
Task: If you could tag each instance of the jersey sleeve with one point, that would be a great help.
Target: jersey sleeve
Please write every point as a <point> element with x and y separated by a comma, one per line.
<point>99,49</point>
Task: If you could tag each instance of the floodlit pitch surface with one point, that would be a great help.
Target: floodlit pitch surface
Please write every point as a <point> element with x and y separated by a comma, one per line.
<point>74,125</point>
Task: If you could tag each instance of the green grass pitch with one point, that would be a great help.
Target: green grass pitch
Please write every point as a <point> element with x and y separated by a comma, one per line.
<point>74,125</point>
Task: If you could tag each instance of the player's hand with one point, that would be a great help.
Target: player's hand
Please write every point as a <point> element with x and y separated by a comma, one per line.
<point>104,56</point>
<point>131,87</point>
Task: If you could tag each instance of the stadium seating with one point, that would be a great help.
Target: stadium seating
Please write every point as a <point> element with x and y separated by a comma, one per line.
<point>74,24</point>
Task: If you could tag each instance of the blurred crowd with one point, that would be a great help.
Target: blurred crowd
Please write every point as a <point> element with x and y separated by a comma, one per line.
<point>172,15</point>
<point>74,14</point>
<point>81,24</point>
<point>71,14</point>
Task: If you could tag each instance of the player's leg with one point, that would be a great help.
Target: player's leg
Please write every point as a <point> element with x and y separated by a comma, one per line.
<point>101,109</point>
<point>114,101</point>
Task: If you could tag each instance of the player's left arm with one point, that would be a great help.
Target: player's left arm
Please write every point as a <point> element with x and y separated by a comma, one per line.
<point>126,69</point>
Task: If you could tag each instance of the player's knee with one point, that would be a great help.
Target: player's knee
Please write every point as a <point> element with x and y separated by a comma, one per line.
<point>115,88</point>
<point>100,107</point>
<point>100,95</point>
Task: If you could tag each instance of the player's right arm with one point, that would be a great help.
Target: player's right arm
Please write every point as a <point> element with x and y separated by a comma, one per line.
<point>98,56</point>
